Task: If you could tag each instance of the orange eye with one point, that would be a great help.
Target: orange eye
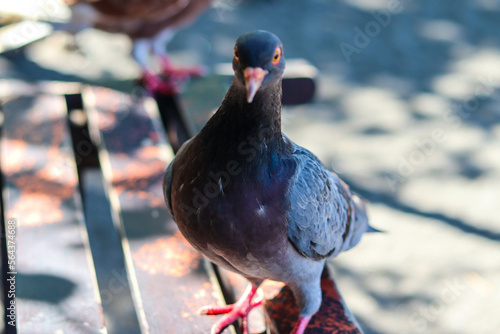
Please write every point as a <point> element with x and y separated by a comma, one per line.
<point>236,55</point>
<point>277,56</point>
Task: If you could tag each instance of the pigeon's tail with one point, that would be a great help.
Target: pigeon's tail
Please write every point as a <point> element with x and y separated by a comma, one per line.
<point>358,224</point>
<point>371,229</point>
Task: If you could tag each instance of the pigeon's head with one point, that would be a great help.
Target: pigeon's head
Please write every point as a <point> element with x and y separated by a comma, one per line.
<point>258,61</point>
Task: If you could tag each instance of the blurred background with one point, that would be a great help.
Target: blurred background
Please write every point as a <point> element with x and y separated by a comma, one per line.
<point>407,111</point>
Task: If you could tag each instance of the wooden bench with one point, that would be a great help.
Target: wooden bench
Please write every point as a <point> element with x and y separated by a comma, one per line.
<point>55,284</point>
<point>58,141</point>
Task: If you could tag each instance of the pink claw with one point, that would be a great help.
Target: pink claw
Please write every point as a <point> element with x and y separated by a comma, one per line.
<point>240,309</point>
<point>301,325</point>
<point>214,310</point>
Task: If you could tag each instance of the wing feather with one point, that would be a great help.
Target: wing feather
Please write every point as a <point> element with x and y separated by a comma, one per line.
<point>319,209</point>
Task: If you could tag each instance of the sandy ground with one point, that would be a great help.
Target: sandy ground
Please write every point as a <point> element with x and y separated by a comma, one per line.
<point>407,112</point>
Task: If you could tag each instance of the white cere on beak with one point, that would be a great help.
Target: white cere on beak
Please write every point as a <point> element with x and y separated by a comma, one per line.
<point>253,80</point>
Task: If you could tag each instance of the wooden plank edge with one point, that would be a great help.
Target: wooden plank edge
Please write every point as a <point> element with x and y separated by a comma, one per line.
<point>85,238</point>
<point>92,114</point>
<point>60,88</point>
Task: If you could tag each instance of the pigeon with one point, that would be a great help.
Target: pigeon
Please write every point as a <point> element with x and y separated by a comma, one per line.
<point>150,24</point>
<point>254,202</point>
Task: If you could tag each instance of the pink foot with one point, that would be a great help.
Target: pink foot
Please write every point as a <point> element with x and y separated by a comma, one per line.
<point>301,325</point>
<point>183,73</point>
<point>233,312</point>
<point>151,82</point>
<point>159,84</point>
<point>171,80</point>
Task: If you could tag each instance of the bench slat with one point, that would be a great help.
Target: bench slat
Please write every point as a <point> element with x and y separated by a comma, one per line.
<point>169,279</point>
<point>56,285</point>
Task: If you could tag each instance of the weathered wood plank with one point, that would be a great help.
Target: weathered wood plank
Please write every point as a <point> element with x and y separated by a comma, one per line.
<point>55,282</point>
<point>169,279</point>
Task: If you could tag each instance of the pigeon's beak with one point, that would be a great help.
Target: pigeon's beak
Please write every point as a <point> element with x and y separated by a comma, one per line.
<point>253,80</point>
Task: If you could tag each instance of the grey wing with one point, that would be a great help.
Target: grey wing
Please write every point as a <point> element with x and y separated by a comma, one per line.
<point>319,211</point>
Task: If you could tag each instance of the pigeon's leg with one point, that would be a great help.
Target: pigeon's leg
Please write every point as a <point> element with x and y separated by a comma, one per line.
<point>308,296</point>
<point>172,78</point>
<point>301,325</point>
<point>141,52</point>
<point>235,311</point>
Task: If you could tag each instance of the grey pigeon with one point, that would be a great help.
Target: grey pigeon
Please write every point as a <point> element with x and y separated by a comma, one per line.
<point>254,202</point>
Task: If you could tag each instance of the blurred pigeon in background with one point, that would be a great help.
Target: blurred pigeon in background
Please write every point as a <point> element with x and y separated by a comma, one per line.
<point>149,23</point>
<point>254,202</point>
